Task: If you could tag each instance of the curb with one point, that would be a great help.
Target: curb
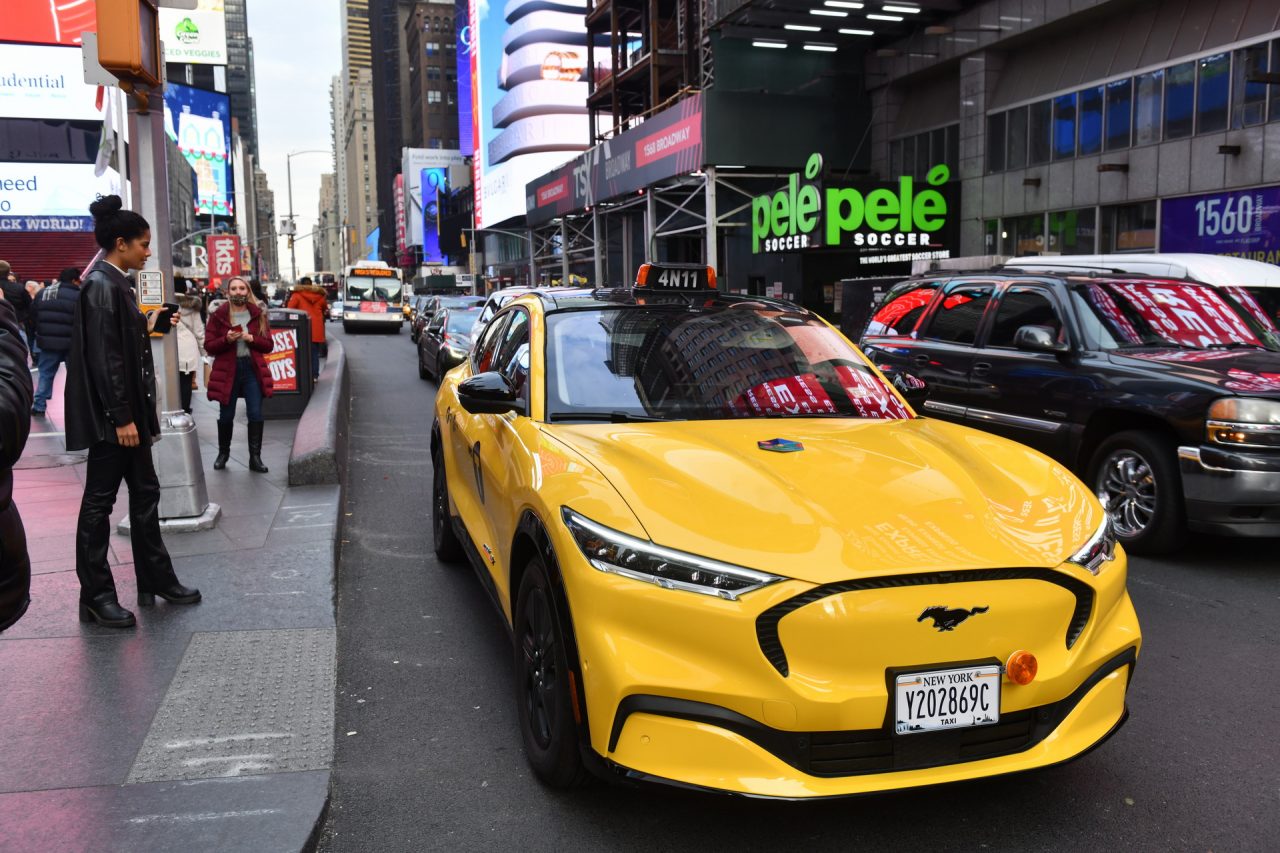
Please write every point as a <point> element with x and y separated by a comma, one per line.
<point>318,457</point>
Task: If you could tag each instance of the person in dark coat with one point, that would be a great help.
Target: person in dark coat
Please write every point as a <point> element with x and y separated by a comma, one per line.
<point>238,336</point>
<point>16,295</point>
<point>54,311</point>
<point>111,410</point>
<point>15,424</point>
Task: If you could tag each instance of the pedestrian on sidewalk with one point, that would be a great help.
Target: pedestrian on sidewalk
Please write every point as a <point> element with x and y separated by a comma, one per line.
<point>239,337</point>
<point>54,313</point>
<point>15,424</point>
<point>111,411</point>
<point>33,288</point>
<point>190,342</point>
<point>312,299</point>
<point>16,295</point>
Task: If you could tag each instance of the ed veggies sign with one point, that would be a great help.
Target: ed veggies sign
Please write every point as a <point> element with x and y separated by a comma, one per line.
<point>886,223</point>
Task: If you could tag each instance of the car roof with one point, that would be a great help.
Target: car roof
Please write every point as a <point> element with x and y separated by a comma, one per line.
<point>1210,269</point>
<point>578,298</point>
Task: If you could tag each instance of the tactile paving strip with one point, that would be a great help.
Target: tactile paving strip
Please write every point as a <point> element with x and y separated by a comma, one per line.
<point>244,703</point>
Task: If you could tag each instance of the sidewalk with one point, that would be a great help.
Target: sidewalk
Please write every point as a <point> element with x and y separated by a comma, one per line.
<point>208,727</point>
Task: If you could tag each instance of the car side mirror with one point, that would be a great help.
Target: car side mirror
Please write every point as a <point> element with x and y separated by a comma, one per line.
<point>1038,339</point>
<point>488,394</point>
<point>912,388</point>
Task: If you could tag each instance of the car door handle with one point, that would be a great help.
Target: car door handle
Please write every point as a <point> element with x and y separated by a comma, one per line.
<point>982,368</point>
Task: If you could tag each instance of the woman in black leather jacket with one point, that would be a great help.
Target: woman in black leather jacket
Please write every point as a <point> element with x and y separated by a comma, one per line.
<point>111,411</point>
<point>15,424</point>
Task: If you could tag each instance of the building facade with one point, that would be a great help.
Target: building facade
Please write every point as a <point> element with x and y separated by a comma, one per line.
<point>240,82</point>
<point>267,237</point>
<point>359,154</point>
<point>328,239</point>
<point>433,76</point>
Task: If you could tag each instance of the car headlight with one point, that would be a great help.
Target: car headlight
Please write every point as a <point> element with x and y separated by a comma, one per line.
<point>1100,548</point>
<point>1244,422</point>
<point>617,553</point>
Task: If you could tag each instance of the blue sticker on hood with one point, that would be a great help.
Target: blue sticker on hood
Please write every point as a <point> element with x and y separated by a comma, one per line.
<point>780,445</point>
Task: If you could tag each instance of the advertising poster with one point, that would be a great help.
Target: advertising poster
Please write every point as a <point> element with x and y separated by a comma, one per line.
<point>197,36</point>
<point>462,24</point>
<point>1243,224</point>
<point>224,259</point>
<point>401,244</point>
<point>433,181</point>
<point>200,123</point>
<point>45,82</point>
<point>413,163</point>
<point>529,71</point>
<point>51,196</point>
<point>283,360</point>
<point>47,22</point>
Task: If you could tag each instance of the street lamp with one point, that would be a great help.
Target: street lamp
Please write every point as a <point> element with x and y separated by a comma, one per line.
<point>288,167</point>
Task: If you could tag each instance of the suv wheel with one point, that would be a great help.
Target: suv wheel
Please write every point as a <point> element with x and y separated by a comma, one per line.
<point>543,703</point>
<point>1135,475</point>
<point>447,547</point>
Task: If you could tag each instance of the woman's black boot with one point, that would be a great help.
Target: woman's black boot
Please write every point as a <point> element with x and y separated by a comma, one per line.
<point>224,444</point>
<point>255,447</point>
<point>106,611</point>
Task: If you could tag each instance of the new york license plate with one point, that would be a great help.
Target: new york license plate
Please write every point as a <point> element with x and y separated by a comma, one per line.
<point>947,699</point>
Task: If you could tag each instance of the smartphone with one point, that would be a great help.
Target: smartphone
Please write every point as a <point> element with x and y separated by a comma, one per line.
<point>164,322</point>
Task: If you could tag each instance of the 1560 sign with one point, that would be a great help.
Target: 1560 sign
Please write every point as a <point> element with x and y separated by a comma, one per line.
<point>805,216</point>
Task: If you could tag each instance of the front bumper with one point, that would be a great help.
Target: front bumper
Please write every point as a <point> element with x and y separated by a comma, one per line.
<point>1231,492</point>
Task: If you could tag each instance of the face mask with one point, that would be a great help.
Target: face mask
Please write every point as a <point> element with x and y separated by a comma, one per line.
<point>239,299</point>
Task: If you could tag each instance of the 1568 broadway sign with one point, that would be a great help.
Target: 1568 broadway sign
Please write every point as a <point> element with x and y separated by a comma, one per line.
<point>887,224</point>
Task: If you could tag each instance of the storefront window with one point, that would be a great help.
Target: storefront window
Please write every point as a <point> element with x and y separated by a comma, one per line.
<point>1090,121</point>
<point>1249,100</point>
<point>1180,101</point>
<point>1039,119</point>
<point>1064,127</point>
<point>1071,232</point>
<point>1017,153</point>
<point>908,156</point>
<point>937,148</point>
<point>995,142</point>
<point>1147,100</point>
<point>1129,228</point>
<point>923,161</point>
<point>1023,235</point>
<point>1214,87</point>
<point>1119,112</point>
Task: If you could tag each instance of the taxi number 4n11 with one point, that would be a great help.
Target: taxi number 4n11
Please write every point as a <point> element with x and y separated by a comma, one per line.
<point>947,699</point>
<point>681,279</point>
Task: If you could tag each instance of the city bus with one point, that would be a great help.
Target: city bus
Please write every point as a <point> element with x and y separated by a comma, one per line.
<point>372,297</point>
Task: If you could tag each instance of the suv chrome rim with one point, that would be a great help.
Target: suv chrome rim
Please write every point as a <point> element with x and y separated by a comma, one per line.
<point>1127,488</point>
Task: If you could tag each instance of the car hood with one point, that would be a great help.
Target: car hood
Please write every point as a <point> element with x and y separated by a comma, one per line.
<point>862,498</point>
<point>1254,372</point>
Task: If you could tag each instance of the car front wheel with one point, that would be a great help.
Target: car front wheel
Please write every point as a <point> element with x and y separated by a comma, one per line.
<point>543,701</point>
<point>1135,475</point>
<point>445,542</point>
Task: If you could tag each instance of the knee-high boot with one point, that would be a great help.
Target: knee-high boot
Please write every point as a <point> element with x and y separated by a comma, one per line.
<point>255,447</point>
<point>225,431</point>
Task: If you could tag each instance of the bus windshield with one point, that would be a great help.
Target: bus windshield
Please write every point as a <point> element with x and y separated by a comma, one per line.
<point>368,289</point>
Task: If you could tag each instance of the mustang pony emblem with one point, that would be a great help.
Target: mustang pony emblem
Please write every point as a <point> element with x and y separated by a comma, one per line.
<point>947,620</point>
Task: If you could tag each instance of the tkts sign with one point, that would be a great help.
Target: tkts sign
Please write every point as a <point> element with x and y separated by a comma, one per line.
<point>224,259</point>
<point>884,223</point>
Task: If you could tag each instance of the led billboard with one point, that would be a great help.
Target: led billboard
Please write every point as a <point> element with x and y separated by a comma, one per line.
<point>197,36</point>
<point>45,82</point>
<point>47,22</point>
<point>529,73</point>
<point>415,162</point>
<point>51,196</point>
<point>200,123</point>
<point>462,25</point>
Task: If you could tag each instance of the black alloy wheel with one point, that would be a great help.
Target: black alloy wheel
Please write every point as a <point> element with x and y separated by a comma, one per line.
<point>1135,476</point>
<point>422,366</point>
<point>543,700</point>
<point>445,542</point>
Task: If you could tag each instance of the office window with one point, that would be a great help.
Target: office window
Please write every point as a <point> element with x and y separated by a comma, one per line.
<point>923,159</point>
<point>1017,149</point>
<point>1249,100</point>
<point>1118,113</point>
<point>937,147</point>
<point>991,236</point>
<point>1148,100</point>
<point>1129,228</point>
<point>1064,127</point>
<point>1180,100</point>
<point>908,156</point>
<point>1090,121</point>
<point>1039,124</point>
<point>995,142</point>
<point>1071,232</point>
<point>1214,85</point>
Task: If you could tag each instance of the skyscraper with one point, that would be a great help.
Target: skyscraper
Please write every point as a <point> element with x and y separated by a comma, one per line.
<point>240,82</point>
<point>357,48</point>
<point>357,142</point>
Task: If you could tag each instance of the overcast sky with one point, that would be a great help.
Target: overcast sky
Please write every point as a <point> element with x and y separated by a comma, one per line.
<point>297,50</point>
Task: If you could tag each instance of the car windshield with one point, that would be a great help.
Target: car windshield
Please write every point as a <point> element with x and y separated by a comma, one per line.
<point>1135,313</point>
<point>361,289</point>
<point>462,322</point>
<point>675,363</point>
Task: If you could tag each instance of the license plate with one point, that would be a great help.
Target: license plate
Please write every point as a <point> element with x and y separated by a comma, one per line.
<point>947,699</point>
<point>373,307</point>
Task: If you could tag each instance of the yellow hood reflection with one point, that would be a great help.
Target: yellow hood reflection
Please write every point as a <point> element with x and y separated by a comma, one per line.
<point>862,498</point>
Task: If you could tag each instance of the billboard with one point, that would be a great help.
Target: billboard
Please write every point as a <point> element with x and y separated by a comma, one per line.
<point>224,258</point>
<point>401,242</point>
<point>45,82</point>
<point>462,26</point>
<point>434,182</point>
<point>413,163</point>
<point>1243,224</point>
<point>197,36</point>
<point>200,123</point>
<point>47,22</point>
<point>51,196</point>
<point>529,73</point>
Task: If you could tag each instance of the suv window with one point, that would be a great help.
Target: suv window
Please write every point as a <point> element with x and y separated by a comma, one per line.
<point>902,307</point>
<point>487,350</point>
<point>513,357</point>
<point>1023,306</point>
<point>958,315</point>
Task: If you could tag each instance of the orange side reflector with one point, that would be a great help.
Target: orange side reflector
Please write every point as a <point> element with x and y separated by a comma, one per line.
<point>1022,667</point>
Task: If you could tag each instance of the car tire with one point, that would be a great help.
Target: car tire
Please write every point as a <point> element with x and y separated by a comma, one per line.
<point>443,538</point>
<point>1136,473</point>
<point>422,368</point>
<point>543,702</point>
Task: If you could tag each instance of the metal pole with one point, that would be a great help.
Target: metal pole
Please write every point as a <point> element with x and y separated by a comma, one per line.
<point>650,227</point>
<point>713,217</point>
<point>533,264</point>
<point>599,257</point>
<point>293,255</point>
<point>183,494</point>
<point>564,254</point>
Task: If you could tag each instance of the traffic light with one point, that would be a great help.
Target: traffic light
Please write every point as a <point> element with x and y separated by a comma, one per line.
<point>129,41</point>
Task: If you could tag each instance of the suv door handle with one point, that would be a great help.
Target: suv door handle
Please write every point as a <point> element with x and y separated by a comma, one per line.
<point>981,368</point>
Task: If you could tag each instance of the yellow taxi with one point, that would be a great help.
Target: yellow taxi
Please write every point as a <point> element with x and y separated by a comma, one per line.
<point>733,557</point>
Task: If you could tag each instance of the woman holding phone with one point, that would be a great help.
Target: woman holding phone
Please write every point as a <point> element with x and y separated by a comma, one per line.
<point>238,337</point>
<point>111,411</point>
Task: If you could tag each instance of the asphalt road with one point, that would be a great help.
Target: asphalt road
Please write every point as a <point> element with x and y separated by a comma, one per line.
<point>429,756</point>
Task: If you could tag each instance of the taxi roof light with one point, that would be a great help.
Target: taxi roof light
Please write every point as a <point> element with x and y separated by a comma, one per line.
<point>1022,667</point>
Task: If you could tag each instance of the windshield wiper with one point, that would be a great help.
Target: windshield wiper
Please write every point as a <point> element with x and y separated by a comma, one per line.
<point>1161,345</point>
<point>1234,345</point>
<point>605,417</point>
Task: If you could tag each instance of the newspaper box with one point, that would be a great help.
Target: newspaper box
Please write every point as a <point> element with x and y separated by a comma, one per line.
<point>289,363</point>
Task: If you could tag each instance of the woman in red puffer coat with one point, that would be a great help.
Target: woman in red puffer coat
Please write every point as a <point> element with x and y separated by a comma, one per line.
<point>238,337</point>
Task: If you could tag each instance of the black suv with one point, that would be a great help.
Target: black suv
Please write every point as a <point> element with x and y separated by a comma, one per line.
<point>1162,395</point>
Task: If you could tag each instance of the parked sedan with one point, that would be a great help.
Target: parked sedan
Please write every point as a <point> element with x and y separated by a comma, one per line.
<point>433,305</point>
<point>446,340</point>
